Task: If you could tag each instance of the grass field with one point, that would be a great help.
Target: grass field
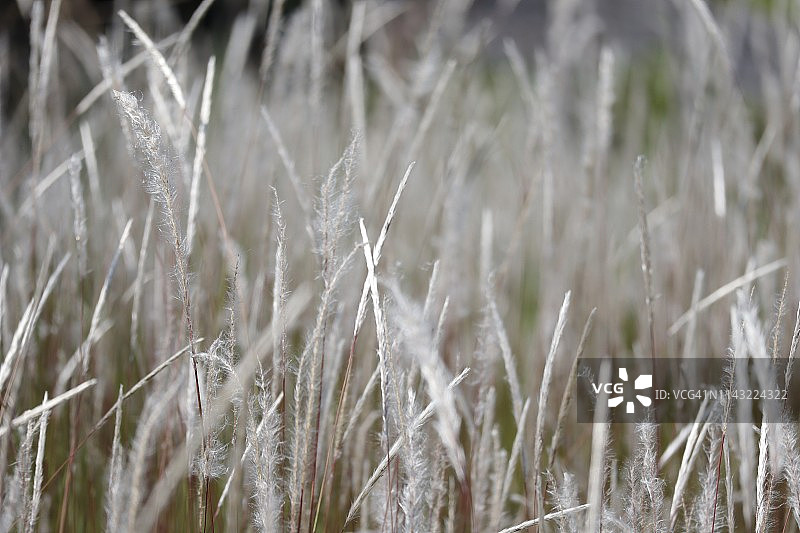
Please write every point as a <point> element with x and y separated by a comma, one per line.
<point>330,268</point>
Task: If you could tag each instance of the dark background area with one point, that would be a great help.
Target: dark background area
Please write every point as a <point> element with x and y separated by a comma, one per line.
<point>632,23</point>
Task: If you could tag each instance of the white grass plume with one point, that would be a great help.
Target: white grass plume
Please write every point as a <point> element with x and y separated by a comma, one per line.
<point>508,361</point>
<point>254,400</point>
<point>645,507</point>
<point>418,342</point>
<point>115,491</point>
<point>262,460</point>
<point>199,155</point>
<point>597,468</point>
<point>279,301</point>
<point>417,482</point>
<point>565,496</point>
<point>730,506</point>
<point>544,392</point>
<point>693,446</point>
<point>159,183</point>
<point>415,424</point>
<point>79,213</point>
<point>744,434</point>
<point>763,481</point>
<point>20,498</point>
<point>705,502</point>
<point>481,457</point>
<point>791,469</point>
<point>333,214</point>
<point>792,348</point>
<point>36,497</point>
<point>246,369</point>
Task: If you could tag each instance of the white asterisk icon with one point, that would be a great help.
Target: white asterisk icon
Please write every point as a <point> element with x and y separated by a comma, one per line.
<point>644,381</point>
